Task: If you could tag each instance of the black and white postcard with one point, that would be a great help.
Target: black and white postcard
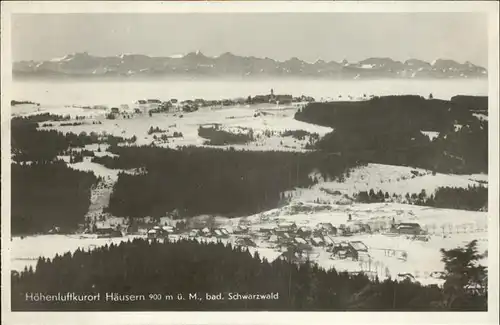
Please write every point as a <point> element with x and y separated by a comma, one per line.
<point>230,158</point>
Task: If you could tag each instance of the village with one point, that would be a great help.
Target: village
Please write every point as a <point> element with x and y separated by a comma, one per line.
<point>173,105</point>
<point>279,238</point>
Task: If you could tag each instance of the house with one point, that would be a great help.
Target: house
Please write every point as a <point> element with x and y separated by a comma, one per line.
<point>282,99</point>
<point>299,240</point>
<point>217,233</point>
<point>327,228</point>
<point>220,234</point>
<point>168,229</point>
<point>341,231</point>
<point>153,233</point>
<point>343,250</point>
<point>240,229</point>
<point>351,250</point>
<point>295,253</point>
<point>165,106</point>
<point>206,232</point>
<point>286,227</point>
<point>437,274</point>
<point>266,230</point>
<point>304,231</point>
<point>359,246</point>
<point>245,242</point>
<point>107,233</point>
<point>317,241</point>
<point>224,231</point>
<point>282,239</point>
<point>405,277</point>
<point>154,101</point>
<point>408,229</point>
<point>158,232</point>
<point>194,233</point>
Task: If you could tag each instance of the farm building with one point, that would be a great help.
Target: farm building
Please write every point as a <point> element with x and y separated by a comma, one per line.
<point>351,250</point>
<point>408,229</point>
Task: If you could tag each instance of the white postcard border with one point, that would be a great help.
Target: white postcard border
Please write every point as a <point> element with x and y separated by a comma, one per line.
<point>490,317</point>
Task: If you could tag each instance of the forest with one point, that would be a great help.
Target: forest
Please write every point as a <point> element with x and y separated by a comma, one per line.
<point>190,267</point>
<point>474,198</point>
<point>217,137</point>
<point>211,181</point>
<point>47,195</point>
<point>28,143</point>
<point>388,129</point>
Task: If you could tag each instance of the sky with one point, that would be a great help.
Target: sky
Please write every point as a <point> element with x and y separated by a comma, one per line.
<point>307,36</point>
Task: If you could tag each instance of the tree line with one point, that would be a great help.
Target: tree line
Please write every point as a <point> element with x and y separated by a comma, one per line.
<point>473,197</point>
<point>169,268</point>
<point>388,130</point>
<point>211,181</point>
<point>47,195</point>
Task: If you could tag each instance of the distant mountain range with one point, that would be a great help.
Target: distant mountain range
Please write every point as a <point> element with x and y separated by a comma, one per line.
<point>196,64</point>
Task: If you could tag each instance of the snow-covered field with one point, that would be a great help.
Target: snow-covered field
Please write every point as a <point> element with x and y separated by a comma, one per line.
<point>266,128</point>
<point>397,180</point>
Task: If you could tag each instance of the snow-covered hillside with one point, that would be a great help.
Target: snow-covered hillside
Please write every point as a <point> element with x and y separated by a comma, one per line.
<point>397,180</point>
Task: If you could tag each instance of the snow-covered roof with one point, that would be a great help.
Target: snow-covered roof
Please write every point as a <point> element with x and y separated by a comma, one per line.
<point>286,224</point>
<point>358,245</point>
<point>152,231</point>
<point>300,240</point>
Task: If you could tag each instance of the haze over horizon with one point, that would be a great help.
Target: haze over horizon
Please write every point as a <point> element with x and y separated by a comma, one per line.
<point>307,36</point>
